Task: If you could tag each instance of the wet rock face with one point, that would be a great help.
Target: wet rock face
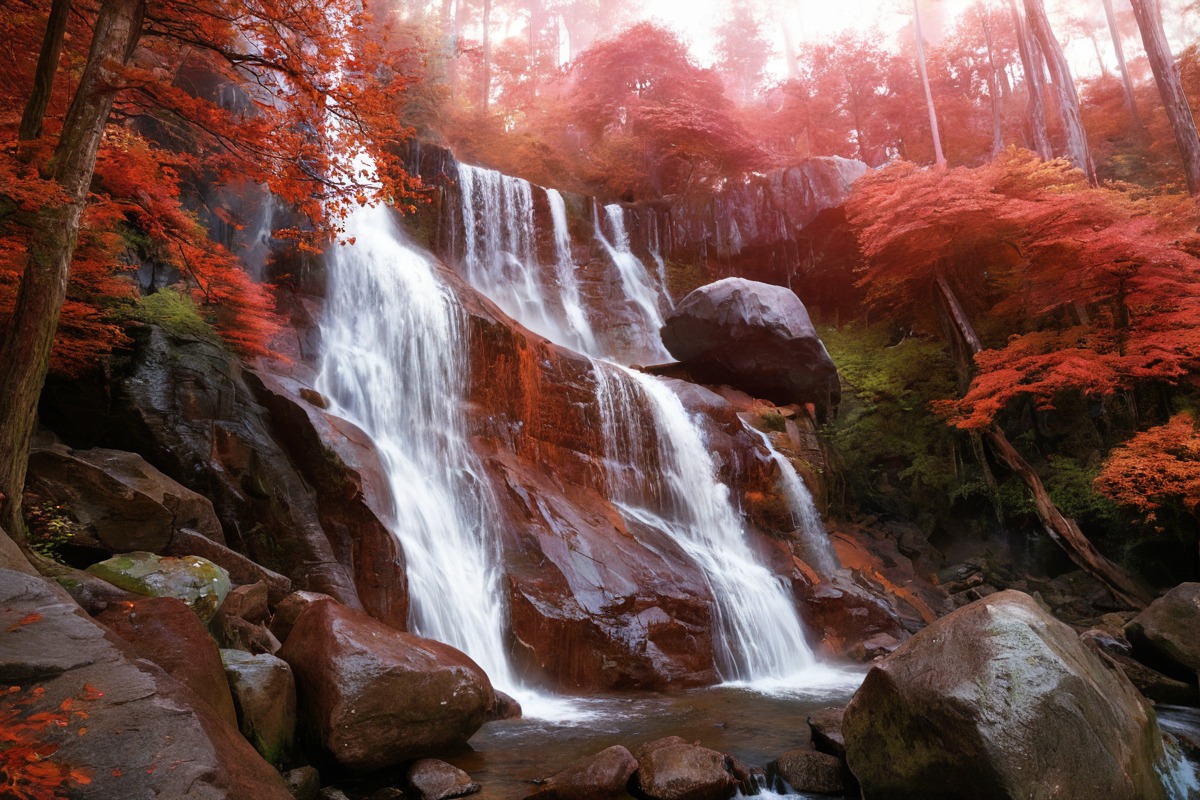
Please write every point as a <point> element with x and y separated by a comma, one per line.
<point>171,742</point>
<point>1000,700</point>
<point>198,582</point>
<point>1167,633</point>
<point>186,408</point>
<point>373,697</point>
<point>603,776</point>
<point>672,769</point>
<point>755,337</point>
<point>264,693</point>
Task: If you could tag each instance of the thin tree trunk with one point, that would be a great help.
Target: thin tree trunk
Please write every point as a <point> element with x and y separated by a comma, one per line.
<point>1064,85</point>
<point>938,156</point>
<point>47,66</point>
<point>29,335</point>
<point>1061,529</point>
<point>1031,64</point>
<point>1170,88</point>
<point>1126,81</point>
<point>487,53</point>
<point>993,84</point>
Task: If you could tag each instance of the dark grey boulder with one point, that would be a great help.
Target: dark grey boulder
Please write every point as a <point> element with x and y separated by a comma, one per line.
<point>755,337</point>
<point>998,701</point>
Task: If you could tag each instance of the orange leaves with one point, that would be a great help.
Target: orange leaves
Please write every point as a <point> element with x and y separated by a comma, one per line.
<point>28,619</point>
<point>28,770</point>
<point>1156,466</point>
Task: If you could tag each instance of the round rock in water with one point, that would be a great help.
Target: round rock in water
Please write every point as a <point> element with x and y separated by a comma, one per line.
<point>431,779</point>
<point>673,769</point>
<point>755,337</point>
<point>998,701</point>
<point>603,776</point>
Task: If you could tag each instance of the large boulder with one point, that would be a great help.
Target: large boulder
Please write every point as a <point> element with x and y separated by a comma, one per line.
<point>673,769</point>
<point>165,631</point>
<point>118,497</point>
<point>1167,633</point>
<point>754,336</point>
<point>373,697</point>
<point>1000,700</point>
<point>194,580</point>
<point>603,776</point>
<point>808,771</point>
<point>144,735</point>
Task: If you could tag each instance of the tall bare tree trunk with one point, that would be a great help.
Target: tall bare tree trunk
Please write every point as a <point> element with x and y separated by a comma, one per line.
<point>487,54</point>
<point>993,83</point>
<point>1061,529</point>
<point>1064,85</point>
<point>28,337</point>
<point>47,66</point>
<point>938,156</point>
<point>1031,65</point>
<point>1170,88</point>
<point>1126,81</point>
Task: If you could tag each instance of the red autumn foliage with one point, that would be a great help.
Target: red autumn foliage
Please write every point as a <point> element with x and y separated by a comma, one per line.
<point>1079,289</point>
<point>1157,466</point>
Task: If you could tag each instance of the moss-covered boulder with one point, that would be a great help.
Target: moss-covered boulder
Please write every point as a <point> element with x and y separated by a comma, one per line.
<point>194,580</point>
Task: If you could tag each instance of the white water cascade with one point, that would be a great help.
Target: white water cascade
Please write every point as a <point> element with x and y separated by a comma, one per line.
<point>757,634</point>
<point>639,288</point>
<point>805,517</point>
<point>499,257</point>
<point>394,363</point>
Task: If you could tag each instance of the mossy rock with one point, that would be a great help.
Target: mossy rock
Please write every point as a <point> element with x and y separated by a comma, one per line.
<point>196,581</point>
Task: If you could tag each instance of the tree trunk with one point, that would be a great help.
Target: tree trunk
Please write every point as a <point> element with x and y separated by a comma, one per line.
<point>1170,88</point>
<point>1126,81</point>
<point>993,84</point>
<point>1031,64</point>
<point>1062,530</point>
<point>47,66</point>
<point>29,335</point>
<point>1064,85</point>
<point>938,156</point>
<point>487,54</point>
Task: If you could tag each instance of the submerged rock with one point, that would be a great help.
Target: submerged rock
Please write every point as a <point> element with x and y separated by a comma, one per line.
<point>373,696</point>
<point>194,580</point>
<point>754,336</point>
<point>1001,700</point>
<point>603,776</point>
<point>146,735</point>
<point>673,769</point>
<point>431,779</point>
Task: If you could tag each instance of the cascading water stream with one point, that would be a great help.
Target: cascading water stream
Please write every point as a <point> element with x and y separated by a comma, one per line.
<point>805,517</point>
<point>393,362</point>
<point>639,289</point>
<point>573,308</point>
<point>758,636</point>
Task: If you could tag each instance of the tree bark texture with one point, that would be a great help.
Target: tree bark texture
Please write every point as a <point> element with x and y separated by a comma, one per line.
<point>1062,530</point>
<point>28,337</point>
<point>938,156</point>
<point>1031,65</point>
<point>43,77</point>
<point>1064,85</point>
<point>1126,81</point>
<point>1170,89</point>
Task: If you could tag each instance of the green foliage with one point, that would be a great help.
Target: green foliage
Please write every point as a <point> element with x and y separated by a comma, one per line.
<point>176,313</point>
<point>774,421</point>
<point>897,456</point>
<point>48,528</point>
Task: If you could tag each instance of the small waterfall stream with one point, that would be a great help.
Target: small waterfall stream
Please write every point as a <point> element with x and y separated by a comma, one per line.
<point>639,289</point>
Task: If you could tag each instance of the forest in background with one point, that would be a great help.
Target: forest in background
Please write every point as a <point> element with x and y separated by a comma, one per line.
<point>1047,209</point>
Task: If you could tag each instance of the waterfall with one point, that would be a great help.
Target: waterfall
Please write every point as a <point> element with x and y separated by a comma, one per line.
<point>674,488</point>
<point>499,257</point>
<point>659,261</point>
<point>565,268</point>
<point>393,361</point>
<point>639,289</point>
<point>805,517</point>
